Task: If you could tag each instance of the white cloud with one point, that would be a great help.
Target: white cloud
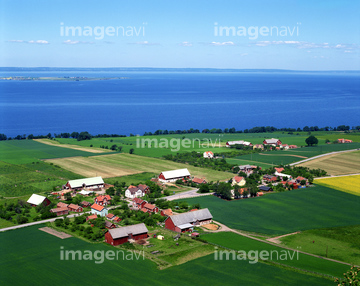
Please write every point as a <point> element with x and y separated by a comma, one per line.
<point>69,42</point>
<point>145,43</point>
<point>16,41</point>
<point>186,44</point>
<point>41,42</point>
<point>222,44</point>
<point>305,45</point>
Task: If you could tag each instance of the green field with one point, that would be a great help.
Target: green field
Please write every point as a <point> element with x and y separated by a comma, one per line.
<point>285,157</point>
<point>341,243</point>
<point>306,262</point>
<point>39,261</point>
<point>28,151</point>
<point>287,212</point>
<point>256,138</point>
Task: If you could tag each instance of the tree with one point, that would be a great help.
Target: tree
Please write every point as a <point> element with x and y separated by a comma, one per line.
<point>131,151</point>
<point>114,147</point>
<point>311,140</point>
<point>84,136</point>
<point>351,277</point>
<point>204,188</point>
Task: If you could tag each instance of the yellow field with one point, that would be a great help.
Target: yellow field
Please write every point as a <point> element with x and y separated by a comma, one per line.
<point>348,184</point>
<point>115,165</point>
<point>337,164</point>
<point>75,147</point>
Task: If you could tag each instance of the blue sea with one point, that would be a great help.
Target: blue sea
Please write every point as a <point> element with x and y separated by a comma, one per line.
<point>151,100</point>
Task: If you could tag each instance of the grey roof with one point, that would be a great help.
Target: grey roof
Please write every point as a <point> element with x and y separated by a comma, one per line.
<point>271,141</point>
<point>126,230</point>
<point>245,167</point>
<point>191,217</point>
<point>185,225</point>
<point>264,188</point>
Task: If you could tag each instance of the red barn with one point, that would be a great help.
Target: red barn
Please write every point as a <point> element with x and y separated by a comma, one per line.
<point>75,208</point>
<point>36,200</point>
<point>174,175</point>
<point>60,211</point>
<point>186,221</point>
<point>272,141</point>
<point>122,235</point>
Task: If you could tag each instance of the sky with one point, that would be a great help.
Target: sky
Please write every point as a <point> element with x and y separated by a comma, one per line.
<point>239,34</point>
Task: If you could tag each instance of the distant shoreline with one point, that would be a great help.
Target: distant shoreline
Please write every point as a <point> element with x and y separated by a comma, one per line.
<point>64,78</point>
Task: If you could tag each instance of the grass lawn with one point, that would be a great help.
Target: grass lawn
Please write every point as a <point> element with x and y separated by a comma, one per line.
<point>116,165</point>
<point>341,243</point>
<point>287,212</point>
<point>337,164</point>
<point>348,184</point>
<point>306,262</point>
<point>39,261</point>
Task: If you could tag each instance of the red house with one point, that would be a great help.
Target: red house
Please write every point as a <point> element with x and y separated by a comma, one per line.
<point>272,141</point>
<point>144,188</point>
<point>62,205</point>
<point>151,208</point>
<point>110,216</point>
<point>85,204</point>
<point>186,221</point>
<point>269,178</point>
<point>94,216</point>
<point>199,181</point>
<point>117,219</point>
<point>102,200</point>
<point>75,208</point>
<point>122,235</point>
<point>139,203</point>
<point>109,225</point>
<point>60,211</point>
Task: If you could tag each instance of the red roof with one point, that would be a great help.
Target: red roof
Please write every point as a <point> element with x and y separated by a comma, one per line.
<point>279,170</point>
<point>138,200</point>
<point>238,179</point>
<point>300,178</point>
<point>167,212</point>
<point>194,210</point>
<point>198,180</point>
<point>110,216</point>
<point>92,217</point>
<point>72,206</point>
<point>149,206</point>
<point>61,209</point>
<point>85,203</point>
<point>61,205</point>
<point>101,198</point>
<point>117,219</point>
<point>97,207</point>
<point>144,210</point>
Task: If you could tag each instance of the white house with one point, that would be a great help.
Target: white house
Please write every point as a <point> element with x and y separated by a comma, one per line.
<point>208,154</point>
<point>174,175</point>
<point>133,192</point>
<point>99,210</point>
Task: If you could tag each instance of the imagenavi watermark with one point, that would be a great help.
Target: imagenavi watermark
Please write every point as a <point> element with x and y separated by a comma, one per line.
<point>99,256</point>
<point>253,32</point>
<point>176,143</point>
<point>255,255</point>
<point>99,32</point>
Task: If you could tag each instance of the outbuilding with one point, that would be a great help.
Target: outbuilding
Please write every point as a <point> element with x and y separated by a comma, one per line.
<point>124,234</point>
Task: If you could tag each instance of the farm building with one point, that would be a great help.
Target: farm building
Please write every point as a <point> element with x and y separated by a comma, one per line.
<point>92,183</point>
<point>174,175</point>
<point>292,146</point>
<point>94,216</point>
<point>99,210</point>
<point>124,234</point>
<point>272,141</point>
<point>61,205</point>
<point>60,211</point>
<point>137,192</point>
<point>265,189</point>
<point>151,208</point>
<point>342,140</point>
<point>282,175</point>
<point>139,203</point>
<point>240,181</point>
<point>109,224</point>
<point>258,146</point>
<point>240,142</point>
<point>36,200</point>
<point>208,154</point>
<point>166,212</point>
<point>199,181</point>
<point>85,204</point>
<point>75,208</point>
<point>269,178</point>
<point>186,221</point>
<point>102,200</point>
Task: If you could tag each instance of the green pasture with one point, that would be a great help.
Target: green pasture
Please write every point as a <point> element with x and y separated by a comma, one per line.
<point>27,151</point>
<point>287,212</point>
<point>305,262</point>
<point>341,243</point>
<point>39,261</point>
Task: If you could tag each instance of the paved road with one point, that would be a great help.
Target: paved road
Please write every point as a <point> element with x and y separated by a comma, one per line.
<point>322,155</point>
<point>188,194</point>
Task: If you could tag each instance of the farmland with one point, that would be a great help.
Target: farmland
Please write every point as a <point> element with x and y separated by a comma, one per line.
<point>286,212</point>
<point>348,184</point>
<point>337,164</point>
<point>47,265</point>
<point>284,157</point>
<point>341,243</point>
<point>308,263</point>
<point>126,164</point>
